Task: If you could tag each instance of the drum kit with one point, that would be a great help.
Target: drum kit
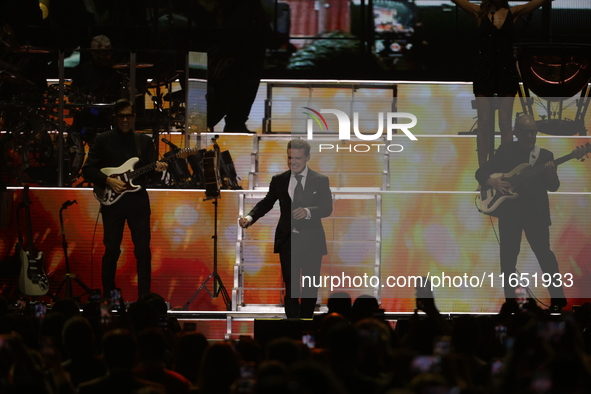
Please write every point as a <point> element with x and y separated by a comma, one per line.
<point>556,74</point>
<point>29,124</point>
<point>29,116</point>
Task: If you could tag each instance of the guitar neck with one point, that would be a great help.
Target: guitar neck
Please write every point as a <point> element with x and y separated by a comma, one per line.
<point>150,167</point>
<point>536,171</point>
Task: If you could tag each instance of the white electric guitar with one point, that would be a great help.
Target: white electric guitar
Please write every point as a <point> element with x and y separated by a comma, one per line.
<point>32,279</point>
<point>491,199</point>
<point>127,174</point>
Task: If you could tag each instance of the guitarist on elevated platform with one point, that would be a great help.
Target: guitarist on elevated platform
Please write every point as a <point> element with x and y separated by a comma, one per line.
<point>529,212</point>
<point>112,149</point>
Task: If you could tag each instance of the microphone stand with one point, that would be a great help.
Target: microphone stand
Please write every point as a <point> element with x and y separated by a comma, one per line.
<point>69,275</point>
<point>212,192</point>
<point>218,285</point>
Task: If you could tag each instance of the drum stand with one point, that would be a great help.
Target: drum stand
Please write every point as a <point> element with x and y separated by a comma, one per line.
<point>69,276</point>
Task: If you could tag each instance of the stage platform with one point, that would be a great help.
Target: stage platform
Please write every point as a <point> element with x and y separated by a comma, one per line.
<point>216,325</point>
<point>182,251</point>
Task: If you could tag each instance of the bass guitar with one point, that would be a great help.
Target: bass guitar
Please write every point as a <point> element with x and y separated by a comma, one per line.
<point>127,174</point>
<point>32,280</point>
<point>491,199</point>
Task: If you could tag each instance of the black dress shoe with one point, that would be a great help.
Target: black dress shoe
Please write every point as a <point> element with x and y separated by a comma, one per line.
<point>557,304</point>
<point>292,308</point>
<point>555,308</point>
<point>510,306</point>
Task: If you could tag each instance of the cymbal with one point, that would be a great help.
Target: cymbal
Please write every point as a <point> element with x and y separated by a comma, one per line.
<point>29,49</point>
<point>127,65</point>
<point>15,79</point>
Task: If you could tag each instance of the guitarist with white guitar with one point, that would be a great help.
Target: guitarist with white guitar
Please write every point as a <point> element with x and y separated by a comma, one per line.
<point>529,211</point>
<point>122,192</point>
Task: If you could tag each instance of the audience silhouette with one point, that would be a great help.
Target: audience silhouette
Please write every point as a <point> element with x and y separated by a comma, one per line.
<point>515,351</point>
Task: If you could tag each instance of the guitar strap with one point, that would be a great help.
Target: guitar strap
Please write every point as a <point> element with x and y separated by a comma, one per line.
<point>533,155</point>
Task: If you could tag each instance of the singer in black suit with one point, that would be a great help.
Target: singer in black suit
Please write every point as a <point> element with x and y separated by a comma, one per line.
<point>530,212</point>
<point>304,199</point>
<point>112,149</point>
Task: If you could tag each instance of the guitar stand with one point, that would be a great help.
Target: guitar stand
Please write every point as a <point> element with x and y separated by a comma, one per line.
<point>69,276</point>
<point>218,285</point>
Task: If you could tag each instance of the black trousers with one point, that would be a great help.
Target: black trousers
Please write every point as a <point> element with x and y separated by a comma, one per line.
<point>297,262</point>
<point>511,228</point>
<point>138,222</point>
